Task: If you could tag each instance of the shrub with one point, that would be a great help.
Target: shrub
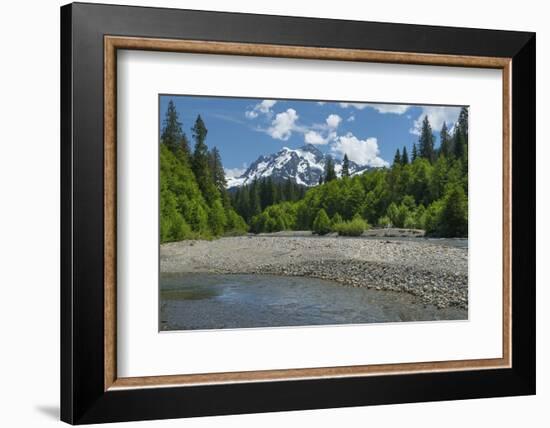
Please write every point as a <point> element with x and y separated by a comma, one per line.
<point>337,218</point>
<point>410,223</point>
<point>384,221</point>
<point>354,227</point>
<point>321,224</point>
<point>235,226</point>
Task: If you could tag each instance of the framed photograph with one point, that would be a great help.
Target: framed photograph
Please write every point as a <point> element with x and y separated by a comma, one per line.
<point>266,213</point>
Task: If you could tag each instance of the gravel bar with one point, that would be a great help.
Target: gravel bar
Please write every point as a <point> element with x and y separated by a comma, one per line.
<point>434,272</point>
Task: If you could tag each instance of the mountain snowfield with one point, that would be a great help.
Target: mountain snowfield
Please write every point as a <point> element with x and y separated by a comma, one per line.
<point>303,166</point>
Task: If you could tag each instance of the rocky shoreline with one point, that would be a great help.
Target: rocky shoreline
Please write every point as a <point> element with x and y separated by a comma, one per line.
<point>436,274</point>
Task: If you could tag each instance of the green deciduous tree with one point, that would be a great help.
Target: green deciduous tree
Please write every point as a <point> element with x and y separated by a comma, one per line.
<point>454,212</point>
<point>321,223</point>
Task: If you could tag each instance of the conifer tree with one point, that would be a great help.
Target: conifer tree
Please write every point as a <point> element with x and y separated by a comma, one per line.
<point>172,135</point>
<point>267,192</point>
<point>288,193</point>
<point>463,123</point>
<point>330,174</point>
<point>255,204</point>
<point>404,156</point>
<point>345,166</point>
<point>397,158</point>
<point>216,167</point>
<point>445,141</point>
<point>426,141</point>
<point>459,143</point>
<point>414,153</point>
<point>200,162</point>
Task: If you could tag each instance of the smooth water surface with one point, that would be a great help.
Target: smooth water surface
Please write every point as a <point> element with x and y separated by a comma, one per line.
<point>190,301</point>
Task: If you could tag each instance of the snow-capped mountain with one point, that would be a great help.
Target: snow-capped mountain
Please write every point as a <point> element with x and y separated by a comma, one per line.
<point>303,166</point>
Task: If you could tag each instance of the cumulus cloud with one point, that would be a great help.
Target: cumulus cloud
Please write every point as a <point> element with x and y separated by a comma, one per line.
<point>321,103</point>
<point>381,108</point>
<point>436,115</point>
<point>284,123</point>
<point>319,138</point>
<point>265,107</point>
<point>362,152</point>
<point>351,118</point>
<point>390,108</point>
<point>314,137</point>
<point>333,120</point>
<point>358,106</point>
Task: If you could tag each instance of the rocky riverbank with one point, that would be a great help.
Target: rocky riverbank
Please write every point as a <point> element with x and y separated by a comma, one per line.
<point>435,273</point>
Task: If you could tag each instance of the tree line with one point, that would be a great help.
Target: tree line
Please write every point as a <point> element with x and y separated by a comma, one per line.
<point>194,203</point>
<point>251,199</point>
<point>428,191</point>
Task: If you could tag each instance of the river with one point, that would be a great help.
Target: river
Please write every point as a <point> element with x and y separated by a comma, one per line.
<point>198,301</point>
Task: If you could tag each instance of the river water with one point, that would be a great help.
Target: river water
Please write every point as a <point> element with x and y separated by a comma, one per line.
<point>191,301</point>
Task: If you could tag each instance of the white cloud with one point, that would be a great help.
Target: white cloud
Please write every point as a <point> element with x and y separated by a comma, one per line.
<point>390,108</point>
<point>265,107</point>
<point>358,106</point>
<point>321,103</point>
<point>284,123</point>
<point>333,120</point>
<point>436,115</point>
<point>351,118</point>
<point>363,152</point>
<point>313,137</point>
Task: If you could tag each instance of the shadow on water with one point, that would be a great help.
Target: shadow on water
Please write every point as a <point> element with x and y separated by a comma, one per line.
<point>191,293</point>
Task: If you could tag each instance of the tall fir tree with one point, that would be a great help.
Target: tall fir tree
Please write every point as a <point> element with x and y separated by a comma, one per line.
<point>414,154</point>
<point>404,156</point>
<point>200,162</point>
<point>426,141</point>
<point>172,135</point>
<point>445,141</point>
<point>397,158</point>
<point>463,123</point>
<point>459,143</point>
<point>267,192</point>
<point>345,166</point>
<point>216,167</point>
<point>255,204</point>
<point>330,174</point>
<point>288,193</point>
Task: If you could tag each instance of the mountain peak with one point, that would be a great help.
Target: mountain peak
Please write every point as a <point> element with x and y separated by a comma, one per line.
<point>311,148</point>
<point>304,166</point>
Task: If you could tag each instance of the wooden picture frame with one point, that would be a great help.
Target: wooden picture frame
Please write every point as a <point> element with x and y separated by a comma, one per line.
<point>91,390</point>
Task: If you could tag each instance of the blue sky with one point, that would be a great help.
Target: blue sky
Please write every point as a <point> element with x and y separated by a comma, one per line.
<point>245,128</point>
